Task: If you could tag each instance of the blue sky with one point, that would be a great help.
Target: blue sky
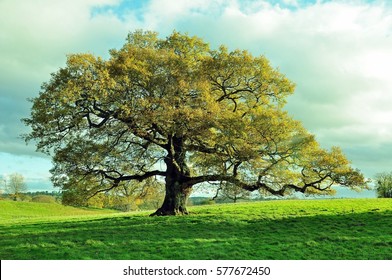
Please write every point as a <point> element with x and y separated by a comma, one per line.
<point>339,54</point>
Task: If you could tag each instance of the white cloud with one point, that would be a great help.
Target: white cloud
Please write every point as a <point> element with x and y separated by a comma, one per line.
<point>291,2</point>
<point>36,35</point>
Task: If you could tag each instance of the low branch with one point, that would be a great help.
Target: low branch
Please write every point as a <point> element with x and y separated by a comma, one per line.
<point>113,186</point>
<point>258,185</point>
<point>122,178</point>
<point>137,177</point>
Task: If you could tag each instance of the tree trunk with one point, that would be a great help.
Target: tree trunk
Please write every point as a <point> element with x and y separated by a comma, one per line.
<point>177,190</point>
<point>175,201</point>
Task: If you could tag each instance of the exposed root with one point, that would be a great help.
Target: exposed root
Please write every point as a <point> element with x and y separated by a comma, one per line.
<point>173,212</point>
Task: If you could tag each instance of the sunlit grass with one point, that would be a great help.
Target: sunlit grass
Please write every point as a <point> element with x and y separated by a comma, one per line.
<point>314,229</point>
<point>27,212</point>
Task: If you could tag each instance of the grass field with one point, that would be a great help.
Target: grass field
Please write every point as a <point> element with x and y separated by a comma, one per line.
<point>286,230</point>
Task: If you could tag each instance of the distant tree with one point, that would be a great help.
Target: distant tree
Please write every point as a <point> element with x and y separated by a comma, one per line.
<point>137,195</point>
<point>153,194</point>
<point>177,109</point>
<point>128,196</point>
<point>98,201</point>
<point>16,185</point>
<point>384,184</point>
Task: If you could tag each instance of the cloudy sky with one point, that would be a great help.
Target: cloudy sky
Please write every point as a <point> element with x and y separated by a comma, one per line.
<point>339,54</point>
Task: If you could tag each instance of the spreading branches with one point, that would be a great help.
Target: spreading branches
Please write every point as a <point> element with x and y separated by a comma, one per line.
<point>177,109</point>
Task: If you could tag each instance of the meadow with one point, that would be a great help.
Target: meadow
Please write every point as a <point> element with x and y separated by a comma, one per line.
<point>285,230</point>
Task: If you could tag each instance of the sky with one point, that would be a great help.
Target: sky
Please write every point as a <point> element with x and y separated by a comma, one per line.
<point>338,53</point>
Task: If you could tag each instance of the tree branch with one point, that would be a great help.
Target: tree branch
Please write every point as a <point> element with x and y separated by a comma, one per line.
<point>122,178</point>
<point>137,177</point>
<point>258,185</point>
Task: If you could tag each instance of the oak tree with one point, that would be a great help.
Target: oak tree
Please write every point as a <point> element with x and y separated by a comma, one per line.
<point>176,109</point>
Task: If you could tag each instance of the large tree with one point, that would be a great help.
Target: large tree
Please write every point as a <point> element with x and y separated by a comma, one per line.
<point>174,108</point>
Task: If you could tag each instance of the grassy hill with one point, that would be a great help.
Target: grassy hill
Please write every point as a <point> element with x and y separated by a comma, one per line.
<point>297,229</point>
<point>20,212</point>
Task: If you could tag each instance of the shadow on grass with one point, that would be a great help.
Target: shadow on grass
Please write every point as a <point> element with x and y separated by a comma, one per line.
<point>346,236</point>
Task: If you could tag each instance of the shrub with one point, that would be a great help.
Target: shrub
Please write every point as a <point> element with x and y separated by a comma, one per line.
<point>43,198</point>
<point>384,184</point>
<point>207,202</point>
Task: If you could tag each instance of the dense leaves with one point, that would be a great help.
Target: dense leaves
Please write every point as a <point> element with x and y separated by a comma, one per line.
<point>174,108</point>
<point>384,184</point>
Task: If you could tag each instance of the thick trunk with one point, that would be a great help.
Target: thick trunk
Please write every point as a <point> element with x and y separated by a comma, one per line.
<point>177,189</point>
<point>175,201</point>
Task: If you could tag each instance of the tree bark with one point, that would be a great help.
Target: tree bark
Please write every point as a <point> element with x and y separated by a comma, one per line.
<point>175,201</point>
<point>178,189</point>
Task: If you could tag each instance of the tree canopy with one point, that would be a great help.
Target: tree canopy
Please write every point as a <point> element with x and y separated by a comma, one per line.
<point>176,109</point>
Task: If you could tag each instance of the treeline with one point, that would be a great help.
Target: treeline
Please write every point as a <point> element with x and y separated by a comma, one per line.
<point>110,200</point>
<point>146,195</point>
<point>39,196</point>
<point>103,200</point>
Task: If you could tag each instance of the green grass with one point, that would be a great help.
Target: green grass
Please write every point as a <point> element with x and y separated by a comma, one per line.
<point>312,229</point>
<point>20,212</point>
